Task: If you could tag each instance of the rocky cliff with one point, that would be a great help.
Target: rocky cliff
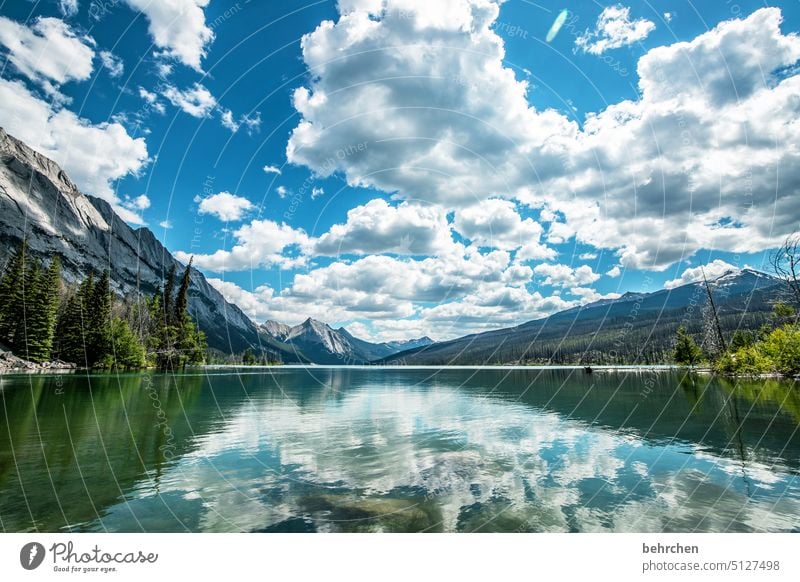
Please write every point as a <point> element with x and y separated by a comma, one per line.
<point>38,201</point>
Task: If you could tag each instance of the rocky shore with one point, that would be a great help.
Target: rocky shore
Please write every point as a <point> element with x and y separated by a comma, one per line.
<point>9,363</point>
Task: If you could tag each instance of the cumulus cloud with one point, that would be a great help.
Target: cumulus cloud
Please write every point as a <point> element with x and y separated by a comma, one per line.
<point>197,101</point>
<point>151,99</point>
<point>48,51</point>
<point>251,123</point>
<point>225,206</point>
<point>589,295</point>
<point>614,29</point>
<point>94,155</point>
<point>566,276</point>
<point>495,223</point>
<point>467,290</point>
<point>272,170</point>
<point>377,227</point>
<point>653,179</point>
<point>137,203</point>
<point>714,269</point>
<point>178,27</point>
<point>261,243</point>
<point>112,63</point>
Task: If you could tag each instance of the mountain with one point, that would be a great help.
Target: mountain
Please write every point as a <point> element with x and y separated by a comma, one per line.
<point>401,346</point>
<point>635,328</point>
<point>320,343</point>
<point>38,201</point>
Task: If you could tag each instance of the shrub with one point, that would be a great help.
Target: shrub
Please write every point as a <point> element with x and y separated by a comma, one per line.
<point>782,346</point>
<point>746,361</point>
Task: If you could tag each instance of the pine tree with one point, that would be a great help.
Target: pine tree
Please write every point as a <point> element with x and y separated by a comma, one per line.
<point>686,352</point>
<point>98,345</point>
<point>41,311</point>
<point>74,326</point>
<point>189,341</point>
<point>128,352</point>
<point>169,291</point>
<point>182,301</point>
<point>12,305</point>
<point>31,287</point>
<point>161,342</point>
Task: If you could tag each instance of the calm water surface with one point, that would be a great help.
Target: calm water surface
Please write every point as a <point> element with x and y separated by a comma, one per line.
<point>398,450</point>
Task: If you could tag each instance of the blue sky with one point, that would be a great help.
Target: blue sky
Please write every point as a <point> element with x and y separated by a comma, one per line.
<point>407,167</point>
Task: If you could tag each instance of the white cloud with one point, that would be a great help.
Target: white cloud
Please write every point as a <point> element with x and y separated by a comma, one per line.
<point>377,227</point>
<point>197,101</point>
<point>112,64</point>
<point>470,291</point>
<point>495,223</point>
<point>272,170</point>
<point>178,27</point>
<point>566,276</point>
<point>281,191</point>
<point>614,29</point>
<point>255,303</point>
<point>151,99</point>
<point>317,192</point>
<point>714,269</point>
<point>588,295</point>
<point>48,52</point>
<point>261,243</point>
<point>228,121</point>
<point>138,203</point>
<point>587,256</point>
<point>225,206</point>
<point>654,179</point>
<point>94,155</point>
<point>250,123</point>
<point>68,7</point>
<point>166,224</point>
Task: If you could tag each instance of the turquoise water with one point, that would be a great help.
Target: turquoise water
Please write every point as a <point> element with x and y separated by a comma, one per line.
<point>370,449</point>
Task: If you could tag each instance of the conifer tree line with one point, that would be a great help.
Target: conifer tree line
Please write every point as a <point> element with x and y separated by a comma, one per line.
<point>43,319</point>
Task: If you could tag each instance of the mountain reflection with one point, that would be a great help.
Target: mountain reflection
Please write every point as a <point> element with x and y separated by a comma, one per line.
<point>399,450</point>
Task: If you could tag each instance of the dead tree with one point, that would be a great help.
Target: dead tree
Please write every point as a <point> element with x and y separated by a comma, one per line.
<point>715,345</point>
<point>786,265</point>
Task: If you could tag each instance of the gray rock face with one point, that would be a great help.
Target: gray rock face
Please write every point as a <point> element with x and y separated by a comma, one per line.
<point>39,202</point>
<point>320,343</point>
<point>279,331</point>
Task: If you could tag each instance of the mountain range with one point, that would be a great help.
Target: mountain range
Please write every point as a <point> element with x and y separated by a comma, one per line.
<point>318,342</point>
<point>40,203</point>
<point>635,328</point>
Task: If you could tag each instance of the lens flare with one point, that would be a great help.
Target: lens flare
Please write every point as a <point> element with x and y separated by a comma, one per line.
<point>557,24</point>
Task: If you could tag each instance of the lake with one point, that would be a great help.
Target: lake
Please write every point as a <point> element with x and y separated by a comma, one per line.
<point>373,449</point>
